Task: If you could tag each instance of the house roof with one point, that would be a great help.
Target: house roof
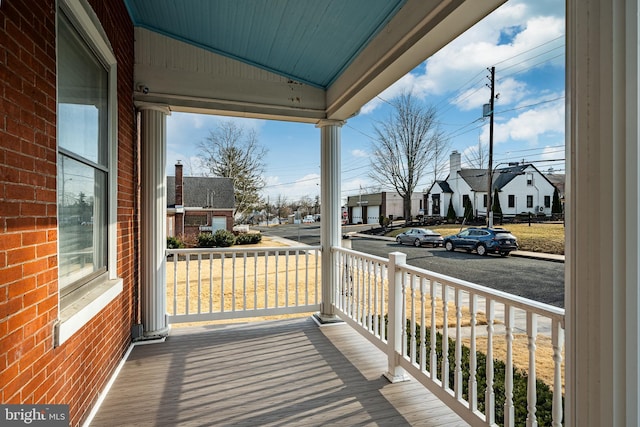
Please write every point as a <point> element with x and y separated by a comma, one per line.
<point>477,179</point>
<point>557,179</point>
<point>444,185</point>
<point>202,192</point>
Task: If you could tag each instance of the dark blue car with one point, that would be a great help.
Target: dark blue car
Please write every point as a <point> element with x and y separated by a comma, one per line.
<point>483,240</point>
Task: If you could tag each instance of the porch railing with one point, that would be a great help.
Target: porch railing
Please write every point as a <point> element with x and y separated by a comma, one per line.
<point>214,284</point>
<point>437,328</point>
<point>451,335</point>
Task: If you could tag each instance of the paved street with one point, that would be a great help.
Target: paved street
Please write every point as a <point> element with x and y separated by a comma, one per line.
<point>539,280</point>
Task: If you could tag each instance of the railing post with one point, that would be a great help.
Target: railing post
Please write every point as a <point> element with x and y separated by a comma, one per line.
<point>395,319</point>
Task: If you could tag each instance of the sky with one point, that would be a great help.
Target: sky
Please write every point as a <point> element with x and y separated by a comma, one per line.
<point>523,39</point>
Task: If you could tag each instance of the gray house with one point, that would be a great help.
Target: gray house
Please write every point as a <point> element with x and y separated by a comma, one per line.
<point>196,204</point>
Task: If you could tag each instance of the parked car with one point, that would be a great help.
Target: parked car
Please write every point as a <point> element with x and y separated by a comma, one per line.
<point>420,236</point>
<point>483,240</point>
<point>308,219</point>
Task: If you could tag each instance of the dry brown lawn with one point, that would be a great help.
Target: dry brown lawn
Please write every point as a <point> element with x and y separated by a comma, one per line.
<point>293,286</point>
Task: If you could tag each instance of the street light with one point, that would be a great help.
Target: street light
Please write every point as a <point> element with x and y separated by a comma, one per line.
<point>490,191</point>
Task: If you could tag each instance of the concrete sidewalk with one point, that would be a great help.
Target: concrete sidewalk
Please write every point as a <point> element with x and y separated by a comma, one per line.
<point>523,254</point>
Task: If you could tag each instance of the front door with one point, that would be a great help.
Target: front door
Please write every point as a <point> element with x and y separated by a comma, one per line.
<point>435,206</point>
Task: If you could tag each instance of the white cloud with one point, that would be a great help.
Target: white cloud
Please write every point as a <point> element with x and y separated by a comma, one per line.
<point>510,38</point>
<point>529,125</point>
<point>360,153</point>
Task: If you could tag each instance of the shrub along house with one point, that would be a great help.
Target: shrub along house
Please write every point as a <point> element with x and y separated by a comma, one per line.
<point>86,88</point>
<point>521,188</point>
<point>196,204</point>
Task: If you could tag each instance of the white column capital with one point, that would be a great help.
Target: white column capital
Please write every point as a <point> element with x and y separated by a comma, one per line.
<point>145,106</point>
<point>327,122</point>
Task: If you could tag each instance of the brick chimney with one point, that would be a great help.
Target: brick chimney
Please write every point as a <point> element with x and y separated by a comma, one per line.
<point>179,227</point>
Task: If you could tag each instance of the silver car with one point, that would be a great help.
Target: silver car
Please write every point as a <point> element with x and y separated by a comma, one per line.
<point>420,236</point>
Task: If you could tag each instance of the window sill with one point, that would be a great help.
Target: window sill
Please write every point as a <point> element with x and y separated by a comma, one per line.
<point>81,306</point>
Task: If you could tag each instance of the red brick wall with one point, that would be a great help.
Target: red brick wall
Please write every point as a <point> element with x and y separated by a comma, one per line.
<point>31,370</point>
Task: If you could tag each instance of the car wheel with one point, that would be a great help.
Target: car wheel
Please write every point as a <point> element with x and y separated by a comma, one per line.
<point>417,243</point>
<point>449,246</point>
<point>398,241</point>
<point>481,249</point>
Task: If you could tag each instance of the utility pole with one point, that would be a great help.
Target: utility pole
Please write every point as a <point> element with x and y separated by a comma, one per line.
<point>490,169</point>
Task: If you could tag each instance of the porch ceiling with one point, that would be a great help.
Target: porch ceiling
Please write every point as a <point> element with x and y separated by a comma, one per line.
<point>302,60</point>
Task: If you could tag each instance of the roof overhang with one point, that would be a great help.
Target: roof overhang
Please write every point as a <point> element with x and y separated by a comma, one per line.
<point>189,77</point>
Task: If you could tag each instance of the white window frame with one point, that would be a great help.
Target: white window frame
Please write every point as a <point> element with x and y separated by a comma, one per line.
<point>98,293</point>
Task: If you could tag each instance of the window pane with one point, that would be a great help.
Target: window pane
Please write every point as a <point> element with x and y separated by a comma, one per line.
<point>82,98</point>
<point>82,209</point>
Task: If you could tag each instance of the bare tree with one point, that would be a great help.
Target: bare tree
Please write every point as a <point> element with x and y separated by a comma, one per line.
<point>281,206</point>
<point>404,147</point>
<point>234,152</point>
<point>477,157</point>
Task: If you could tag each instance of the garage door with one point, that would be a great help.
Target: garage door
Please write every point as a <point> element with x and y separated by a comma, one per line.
<point>373,215</point>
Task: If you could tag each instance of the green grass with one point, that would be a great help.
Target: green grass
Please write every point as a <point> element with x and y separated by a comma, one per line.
<point>539,237</point>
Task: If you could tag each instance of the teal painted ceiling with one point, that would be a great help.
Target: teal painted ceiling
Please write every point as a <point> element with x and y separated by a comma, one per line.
<point>310,41</point>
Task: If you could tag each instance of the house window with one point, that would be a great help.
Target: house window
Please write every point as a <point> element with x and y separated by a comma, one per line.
<point>512,201</point>
<point>87,129</point>
<point>83,160</point>
<point>547,201</point>
<point>195,220</point>
<point>484,201</point>
<point>529,201</point>
<point>529,179</point>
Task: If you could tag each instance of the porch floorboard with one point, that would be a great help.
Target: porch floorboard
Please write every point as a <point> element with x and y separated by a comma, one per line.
<point>269,373</point>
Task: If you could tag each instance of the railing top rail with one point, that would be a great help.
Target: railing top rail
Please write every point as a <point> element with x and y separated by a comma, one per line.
<point>369,257</point>
<point>550,311</point>
<point>188,251</point>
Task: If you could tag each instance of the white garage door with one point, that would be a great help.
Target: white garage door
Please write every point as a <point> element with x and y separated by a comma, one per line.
<point>373,215</point>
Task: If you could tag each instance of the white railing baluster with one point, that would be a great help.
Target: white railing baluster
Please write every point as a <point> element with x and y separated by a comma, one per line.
<point>199,283</point>
<point>369,298</point>
<point>175,284</point>
<point>244,282</point>
<point>489,397</point>
<point>384,300</point>
<point>286,279</point>
<point>376,301</point>
<point>255,281</point>
<point>423,324</point>
<point>412,289</point>
<point>403,311</point>
<point>233,282</point>
<point>222,259</point>
<point>296,292</point>
<point>433,363</point>
<point>473,360</point>
<point>306,278</point>
<point>509,410</point>
<point>266,278</point>
<point>557,342</point>
<point>445,336</point>
<point>186,295</point>
<point>532,333</point>
<point>211,283</point>
<point>457,386</point>
<point>277,284</point>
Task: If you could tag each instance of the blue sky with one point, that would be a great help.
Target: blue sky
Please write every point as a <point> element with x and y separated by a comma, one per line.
<point>524,40</point>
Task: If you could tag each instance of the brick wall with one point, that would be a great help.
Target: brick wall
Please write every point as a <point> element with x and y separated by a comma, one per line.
<point>31,370</point>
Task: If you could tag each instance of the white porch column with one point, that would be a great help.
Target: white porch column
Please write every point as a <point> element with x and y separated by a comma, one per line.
<point>602,235</point>
<point>153,219</point>
<point>330,213</point>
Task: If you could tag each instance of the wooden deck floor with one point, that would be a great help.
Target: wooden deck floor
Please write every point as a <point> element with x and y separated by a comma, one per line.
<point>270,373</point>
